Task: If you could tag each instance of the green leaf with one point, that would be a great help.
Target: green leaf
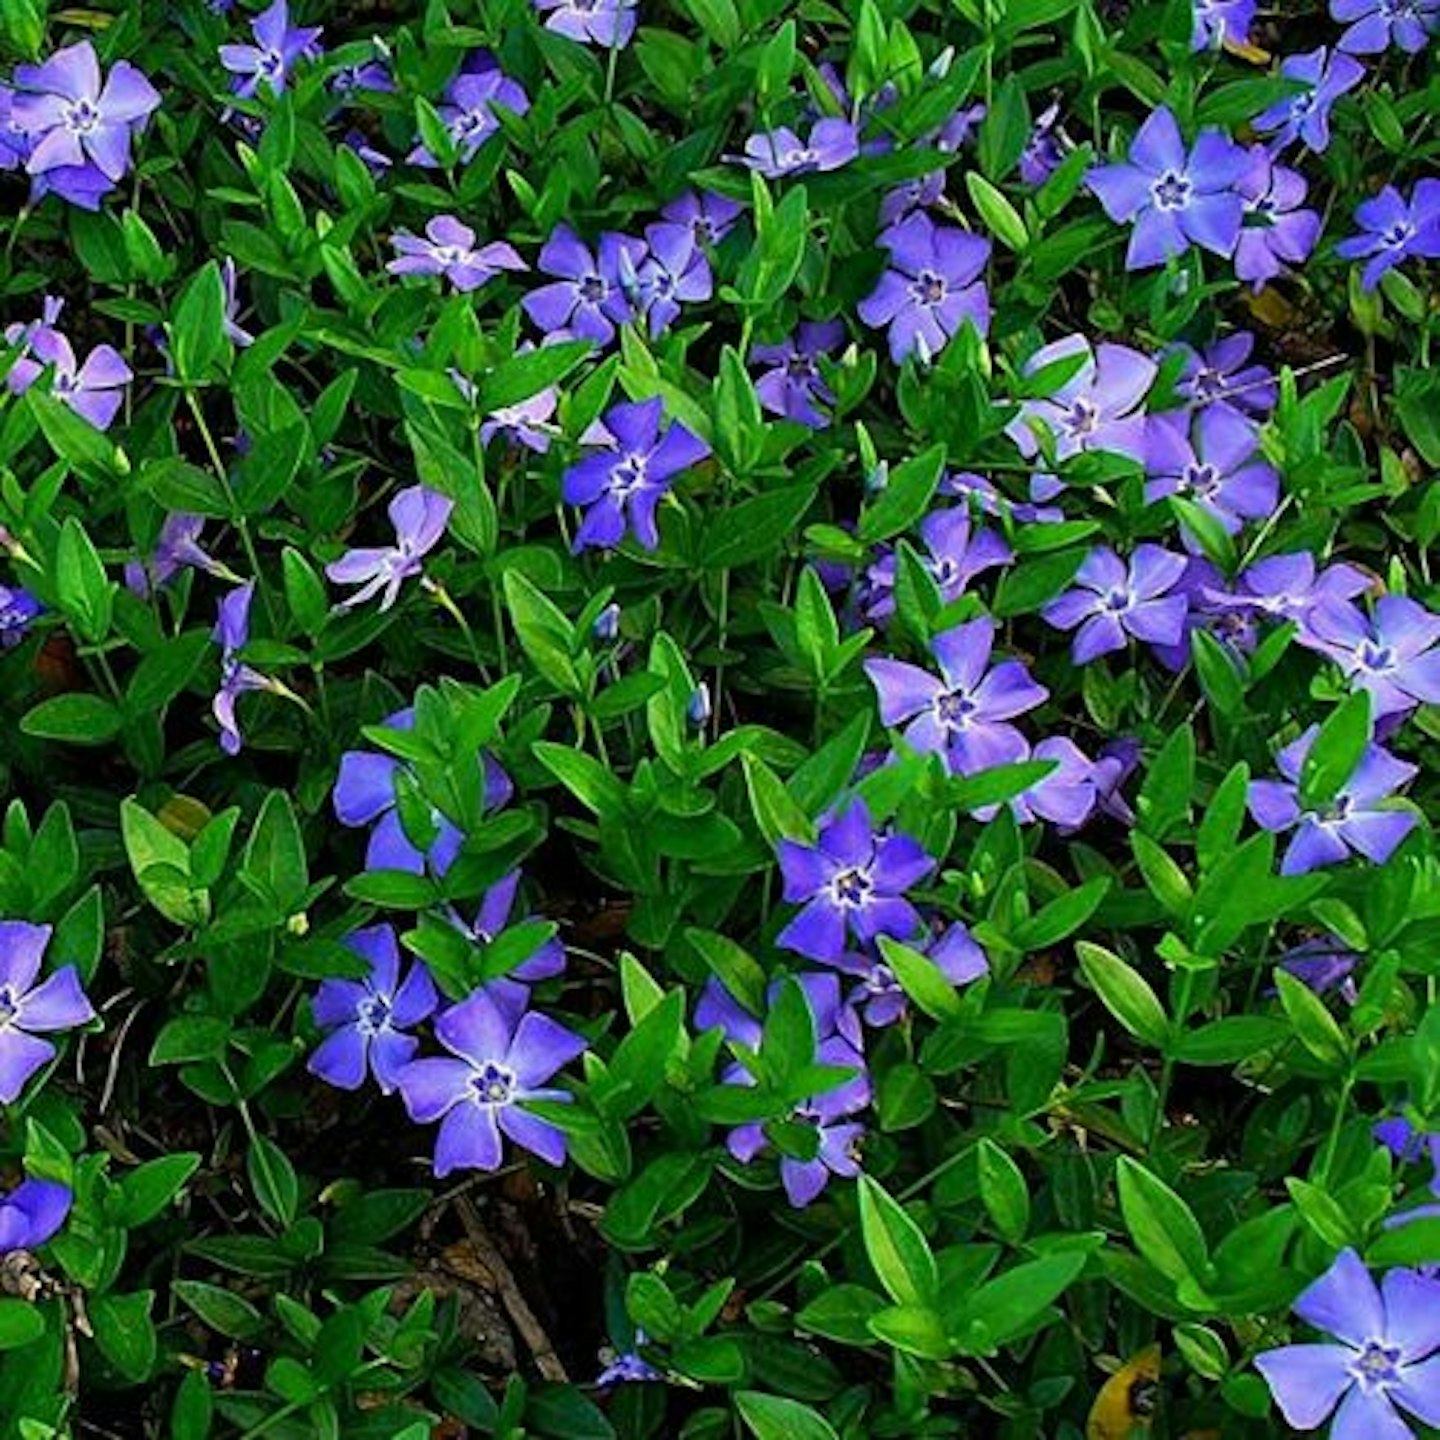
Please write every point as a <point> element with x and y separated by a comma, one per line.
<point>1313,1023</point>
<point>1001,218</point>
<point>125,1332</point>
<point>905,498</point>
<point>772,1417</point>
<point>1162,1225</point>
<point>198,341</point>
<point>146,1190</point>
<point>1007,1307</point>
<point>842,1313</point>
<point>584,777</point>
<point>1003,1191</point>
<point>21,1323</point>
<point>1125,992</point>
<point>755,528</point>
<point>1336,751</point>
<point>222,1310</point>
<point>75,719</point>
<point>1062,916</point>
<point>522,376</point>
<point>274,864</point>
<point>190,1037</point>
<point>273,1179</point>
<point>897,1250</point>
<point>85,595</point>
<point>921,979</point>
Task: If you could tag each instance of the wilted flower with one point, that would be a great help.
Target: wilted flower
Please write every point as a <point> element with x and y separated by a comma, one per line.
<point>419,517</point>
<point>1305,116</point>
<point>586,300</point>
<point>367,1019</point>
<point>793,386</point>
<point>1097,408</point>
<point>18,609</point>
<point>178,548</point>
<point>1375,25</point>
<point>29,1010</point>
<point>232,634</point>
<point>1385,1358</point>
<point>775,153</point>
<point>448,250</point>
<point>1395,655</point>
<point>932,287</point>
<point>500,1060</point>
<point>32,1213</point>
<point>964,713</point>
<point>1044,150</point>
<point>1111,601</point>
<point>468,110</point>
<point>607,23</point>
<point>918,194</point>
<point>272,58</point>
<point>1393,229</point>
<point>526,423</point>
<point>1355,821</point>
<point>851,882</point>
<point>1174,197</point>
<point>377,162</point>
<point>373,75</point>
<point>1276,231</point>
<point>621,486</point>
<point>238,336</point>
<point>1215,462</point>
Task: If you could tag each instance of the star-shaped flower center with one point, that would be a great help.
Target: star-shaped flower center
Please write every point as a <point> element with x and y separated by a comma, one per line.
<point>9,1008</point>
<point>1377,1365</point>
<point>929,288</point>
<point>270,65</point>
<point>1171,191</point>
<point>592,288</point>
<point>1200,479</point>
<point>1376,658</point>
<point>851,887</point>
<point>628,474</point>
<point>372,1015</point>
<point>493,1084</point>
<point>1082,419</point>
<point>82,118</point>
<point>954,710</point>
<point>1398,235</point>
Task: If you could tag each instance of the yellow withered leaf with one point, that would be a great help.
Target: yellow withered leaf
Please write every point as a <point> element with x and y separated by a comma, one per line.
<point>1125,1406</point>
<point>184,816</point>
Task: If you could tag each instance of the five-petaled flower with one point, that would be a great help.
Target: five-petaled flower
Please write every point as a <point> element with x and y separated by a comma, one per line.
<point>1375,25</point>
<point>1276,231</point>
<point>272,58</point>
<point>964,713</point>
<point>32,1213</point>
<point>18,609</point>
<point>499,1060</point>
<point>1174,196</point>
<point>1394,229</point>
<point>586,299</point>
<point>1355,821</point>
<point>29,1010</point>
<point>94,389</point>
<point>367,1018</point>
<point>468,109</point>
<point>851,882</point>
<point>1305,116</point>
<point>775,153</point>
<point>448,249</point>
<point>931,288</point>
<point>1395,655</point>
<point>1110,601</point>
<point>1213,461</point>
<point>232,634</point>
<point>621,485</point>
<point>792,385</point>
<point>607,23</point>
<point>419,517</point>
<point>1385,1357</point>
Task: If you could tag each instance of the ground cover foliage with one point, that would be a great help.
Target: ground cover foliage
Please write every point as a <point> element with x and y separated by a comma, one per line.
<point>717,718</point>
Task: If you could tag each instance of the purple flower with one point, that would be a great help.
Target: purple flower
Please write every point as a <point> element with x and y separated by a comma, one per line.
<point>793,386</point>
<point>32,1213</point>
<point>1324,964</point>
<point>1355,821</point>
<point>717,1007</point>
<point>232,634</point>
<point>1276,231</point>
<point>526,423</point>
<point>629,1368</point>
<point>1097,408</point>
<point>1375,25</point>
<point>852,881</point>
<point>963,714</point>
<point>673,271</point>
<point>92,390</point>
<point>238,337</point>
<point>18,609</point>
<point>1110,602</point>
<point>879,997</point>
<point>74,118</point>
<point>1405,1142</point>
<point>1219,375</point>
<point>377,162</point>
<point>499,1061</point>
<point>621,486</point>
<point>1394,656</point>
<point>1305,116</point>
<point>373,75</point>
<point>367,1019</point>
<point>1043,151</point>
<point>419,517</point>
<point>960,128</point>
<point>366,791</point>
<point>710,217</point>
<point>178,548</point>
<point>918,194</point>
<point>1287,587</point>
<point>1067,796</point>
<point>955,554</point>
<point>1382,1362</point>
<point>1393,229</point>
<point>1215,462</point>
<point>448,250</point>
<point>981,494</point>
<point>468,110</point>
<point>607,23</point>
<point>273,56</point>
<point>586,299</point>
<point>543,963</point>
<point>1220,23</point>
<point>28,1010</point>
<point>1173,197</point>
<point>931,288</point>
<point>776,153</point>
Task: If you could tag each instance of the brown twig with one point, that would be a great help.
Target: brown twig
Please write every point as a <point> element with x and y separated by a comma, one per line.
<point>516,1306</point>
